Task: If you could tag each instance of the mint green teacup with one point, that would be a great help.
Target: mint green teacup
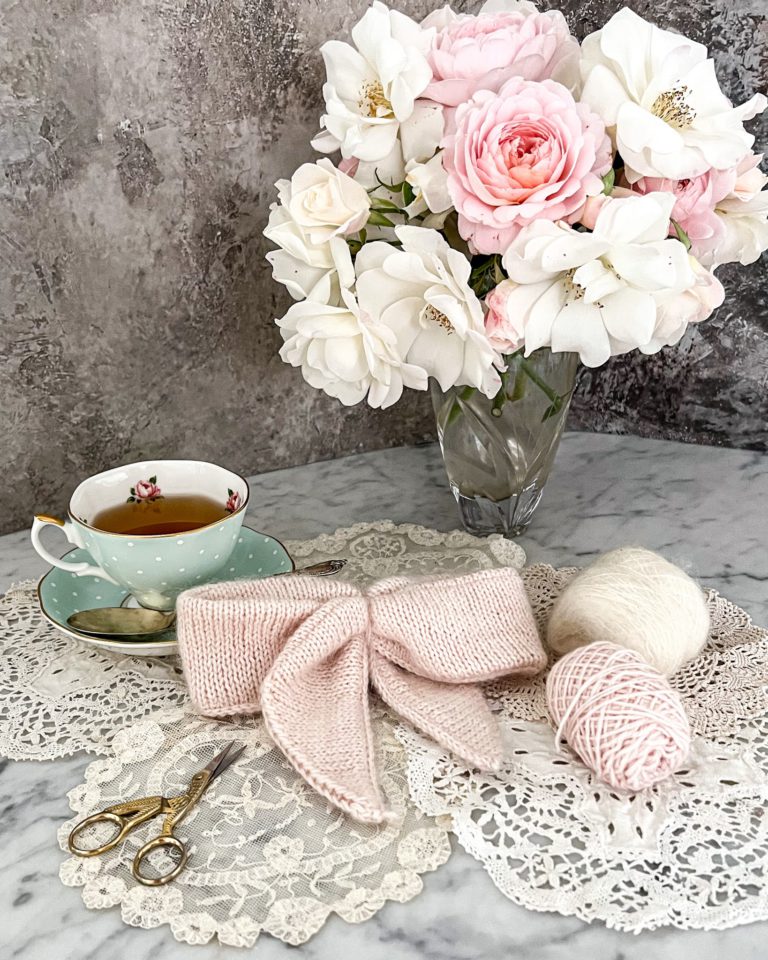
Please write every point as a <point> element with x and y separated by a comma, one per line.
<point>155,568</point>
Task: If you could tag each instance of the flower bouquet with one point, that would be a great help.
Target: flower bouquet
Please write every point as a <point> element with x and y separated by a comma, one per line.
<point>506,201</point>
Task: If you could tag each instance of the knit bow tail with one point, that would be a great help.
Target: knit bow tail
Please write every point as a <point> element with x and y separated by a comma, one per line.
<point>457,716</point>
<point>315,704</point>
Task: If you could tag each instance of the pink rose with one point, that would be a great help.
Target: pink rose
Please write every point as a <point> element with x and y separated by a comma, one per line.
<point>146,490</point>
<point>503,326</point>
<point>695,201</point>
<point>749,178</point>
<point>702,204</point>
<point>483,52</point>
<point>233,503</point>
<point>526,153</point>
<point>349,165</point>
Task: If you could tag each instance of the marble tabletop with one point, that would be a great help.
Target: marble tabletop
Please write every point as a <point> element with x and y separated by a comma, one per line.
<point>703,507</point>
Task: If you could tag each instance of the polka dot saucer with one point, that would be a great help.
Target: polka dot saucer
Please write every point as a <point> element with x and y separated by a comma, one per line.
<point>61,594</point>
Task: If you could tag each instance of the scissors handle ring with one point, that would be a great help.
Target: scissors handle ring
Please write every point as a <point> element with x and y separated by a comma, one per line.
<point>123,827</point>
<point>164,840</point>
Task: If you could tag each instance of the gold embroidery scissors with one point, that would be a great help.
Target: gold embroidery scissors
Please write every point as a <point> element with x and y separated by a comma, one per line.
<point>133,813</point>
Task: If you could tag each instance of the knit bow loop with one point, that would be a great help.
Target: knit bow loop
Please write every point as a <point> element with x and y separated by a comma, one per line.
<point>466,637</point>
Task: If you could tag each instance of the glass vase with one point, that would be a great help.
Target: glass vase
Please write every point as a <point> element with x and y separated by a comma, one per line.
<point>498,452</point>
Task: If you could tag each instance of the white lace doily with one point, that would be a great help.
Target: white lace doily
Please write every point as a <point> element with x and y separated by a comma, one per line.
<point>59,696</point>
<point>691,852</point>
<point>384,549</point>
<point>268,853</point>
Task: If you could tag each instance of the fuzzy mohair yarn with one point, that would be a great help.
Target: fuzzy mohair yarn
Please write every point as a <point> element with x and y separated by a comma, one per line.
<point>619,715</point>
<point>637,599</point>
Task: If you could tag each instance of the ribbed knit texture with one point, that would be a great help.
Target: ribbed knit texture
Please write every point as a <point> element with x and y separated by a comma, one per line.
<point>303,651</point>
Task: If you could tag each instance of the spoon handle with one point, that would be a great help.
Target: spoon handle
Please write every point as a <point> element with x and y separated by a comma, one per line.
<point>325,568</point>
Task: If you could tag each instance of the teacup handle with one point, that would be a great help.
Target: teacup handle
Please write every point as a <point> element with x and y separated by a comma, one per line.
<point>70,531</point>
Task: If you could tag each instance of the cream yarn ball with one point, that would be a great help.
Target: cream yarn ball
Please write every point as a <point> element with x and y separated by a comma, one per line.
<point>637,599</point>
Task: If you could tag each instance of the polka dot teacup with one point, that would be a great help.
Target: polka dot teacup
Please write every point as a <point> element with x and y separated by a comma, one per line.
<point>155,568</point>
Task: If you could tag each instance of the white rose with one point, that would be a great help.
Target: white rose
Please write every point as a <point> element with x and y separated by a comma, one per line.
<point>347,353</point>
<point>658,94</point>
<point>430,185</point>
<point>746,229</point>
<point>309,271</point>
<point>326,203</point>
<point>304,268</point>
<point>744,216</point>
<point>598,294</point>
<point>691,306</point>
<point>372,86</point>
<point>422,293</point>
<point>419,138</point>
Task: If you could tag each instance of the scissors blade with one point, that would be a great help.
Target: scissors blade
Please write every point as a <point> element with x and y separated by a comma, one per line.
<point>224,759</point>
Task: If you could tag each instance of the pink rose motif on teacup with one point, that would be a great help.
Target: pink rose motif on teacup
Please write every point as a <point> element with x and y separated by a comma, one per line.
<point>145,491</point>
<point>234,501</point>
<point>529,152</point>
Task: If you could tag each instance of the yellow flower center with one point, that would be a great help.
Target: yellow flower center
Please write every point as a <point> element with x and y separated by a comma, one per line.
<point>435,316</point>
<point>573,290</point>
<point>373,102</point>
<point>673,108</point>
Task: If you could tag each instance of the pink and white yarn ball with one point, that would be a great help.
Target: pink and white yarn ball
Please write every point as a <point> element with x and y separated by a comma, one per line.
<point>619,715</point>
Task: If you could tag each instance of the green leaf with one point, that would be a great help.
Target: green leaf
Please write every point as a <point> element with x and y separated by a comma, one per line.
<point>608,181</point>
<point>486,274</point>
<point>133,491</point>
<point>553,409</point>
<point>682,236</point>
<point>379,220</point>
<point>153,479</point>
<point>131,500</point>
<point>379,203</point>
<point>409,194</point>
<point>363,236</point>
<point>392,187</point>
<point>230,492</point>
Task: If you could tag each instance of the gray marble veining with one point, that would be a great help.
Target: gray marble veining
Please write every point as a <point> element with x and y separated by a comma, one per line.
<point>702,507</point>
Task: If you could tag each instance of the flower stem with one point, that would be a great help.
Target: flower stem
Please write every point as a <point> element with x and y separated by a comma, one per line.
<point>551,394</point>
<point>455,411</point>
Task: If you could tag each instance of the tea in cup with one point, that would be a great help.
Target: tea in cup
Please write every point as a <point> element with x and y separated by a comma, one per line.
<point>154,528</point>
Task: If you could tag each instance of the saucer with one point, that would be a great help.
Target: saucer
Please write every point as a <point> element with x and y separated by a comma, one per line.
<point>61,594</point>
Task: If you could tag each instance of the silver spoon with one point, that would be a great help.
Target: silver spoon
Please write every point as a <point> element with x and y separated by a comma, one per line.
<point>142,622</point>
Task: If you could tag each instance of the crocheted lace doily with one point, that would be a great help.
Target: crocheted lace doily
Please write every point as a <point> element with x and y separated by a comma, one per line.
<point>59,696</point>
<point>691,852</point>
<point>268,853</point>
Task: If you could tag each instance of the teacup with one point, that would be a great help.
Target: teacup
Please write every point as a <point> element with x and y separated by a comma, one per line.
<point>155,568</point>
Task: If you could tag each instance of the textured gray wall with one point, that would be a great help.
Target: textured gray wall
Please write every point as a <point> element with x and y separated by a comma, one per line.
<point>139,141</point>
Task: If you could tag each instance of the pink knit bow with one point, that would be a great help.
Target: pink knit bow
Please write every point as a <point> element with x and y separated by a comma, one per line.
<point>303,651</point>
